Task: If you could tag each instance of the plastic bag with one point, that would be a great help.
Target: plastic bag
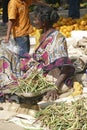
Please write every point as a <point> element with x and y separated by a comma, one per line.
<point>11,45</point>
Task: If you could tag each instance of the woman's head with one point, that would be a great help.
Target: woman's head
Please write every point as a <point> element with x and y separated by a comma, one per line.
<point>44,16</point>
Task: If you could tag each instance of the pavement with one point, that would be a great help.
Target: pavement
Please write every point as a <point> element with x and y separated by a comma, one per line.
<point>4,124</point>
<point>65,12</point>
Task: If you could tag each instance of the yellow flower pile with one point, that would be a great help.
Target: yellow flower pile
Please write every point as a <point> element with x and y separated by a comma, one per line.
<point>78,89</point>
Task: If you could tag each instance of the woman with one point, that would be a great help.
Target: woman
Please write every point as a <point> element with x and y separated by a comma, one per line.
<point>52,51</point>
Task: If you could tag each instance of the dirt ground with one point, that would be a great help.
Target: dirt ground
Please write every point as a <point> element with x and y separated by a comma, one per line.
<point>4,123</point>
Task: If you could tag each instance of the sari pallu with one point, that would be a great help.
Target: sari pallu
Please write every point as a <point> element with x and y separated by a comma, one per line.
<point>52,52</point>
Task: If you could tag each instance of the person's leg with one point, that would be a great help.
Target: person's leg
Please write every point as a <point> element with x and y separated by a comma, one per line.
<point>60,79</point>
<point>23,44</point>
<point>5,11</point>
<point>65,73</point>
<point>71,8</point>
<point>77,9</point>
<point>74,9</point>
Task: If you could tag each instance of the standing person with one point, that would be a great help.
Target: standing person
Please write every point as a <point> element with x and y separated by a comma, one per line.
<point>5,12</point>
<point>19,23</point>
<point>52,50</point>
<point>74,9</point>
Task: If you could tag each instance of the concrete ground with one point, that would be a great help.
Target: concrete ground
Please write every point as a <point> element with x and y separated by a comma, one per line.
<point>5,125</point>
<point>65,12</point>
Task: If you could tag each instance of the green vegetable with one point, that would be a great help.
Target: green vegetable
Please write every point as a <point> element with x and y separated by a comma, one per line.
<point>64,116</point>
<point>35,83</point>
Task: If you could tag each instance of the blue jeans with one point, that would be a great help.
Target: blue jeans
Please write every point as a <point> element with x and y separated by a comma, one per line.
<point>5,11</point>
<point>24,45</point>
<point>74,9</point>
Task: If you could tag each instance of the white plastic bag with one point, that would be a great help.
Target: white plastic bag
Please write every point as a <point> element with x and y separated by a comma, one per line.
<point>11,45</point>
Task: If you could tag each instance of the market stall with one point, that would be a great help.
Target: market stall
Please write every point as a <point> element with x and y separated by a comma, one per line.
<point>27,91</point>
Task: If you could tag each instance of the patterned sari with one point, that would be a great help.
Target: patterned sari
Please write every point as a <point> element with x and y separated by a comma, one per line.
<point>52,51</point>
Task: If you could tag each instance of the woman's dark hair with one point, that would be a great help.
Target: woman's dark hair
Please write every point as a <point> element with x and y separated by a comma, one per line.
<point>46,14</point>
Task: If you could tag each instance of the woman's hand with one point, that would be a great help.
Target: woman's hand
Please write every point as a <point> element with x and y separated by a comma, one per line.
<point>51,95</point>
<point>6,39</point>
